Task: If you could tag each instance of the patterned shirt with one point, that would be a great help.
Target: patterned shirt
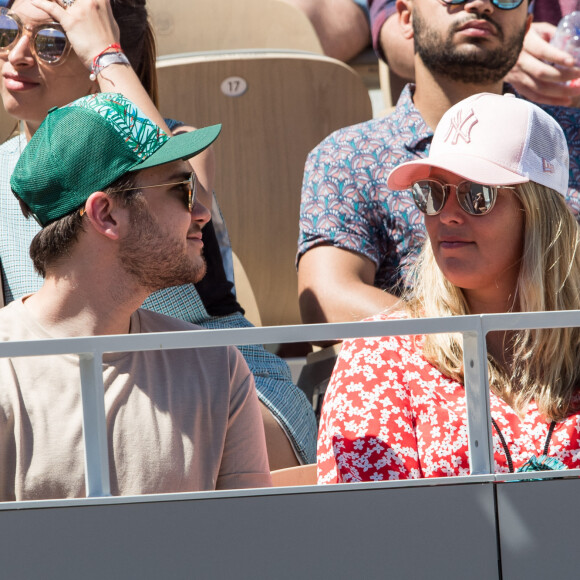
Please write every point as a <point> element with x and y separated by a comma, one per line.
<point>389,414</point>
<point>346,202</point>
<point>274,385</point>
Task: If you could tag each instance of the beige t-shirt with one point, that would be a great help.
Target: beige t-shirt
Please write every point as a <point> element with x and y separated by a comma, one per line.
<point>177,420</point>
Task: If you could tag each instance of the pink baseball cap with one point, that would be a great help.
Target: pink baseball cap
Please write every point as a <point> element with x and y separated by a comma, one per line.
<point>494,140</point>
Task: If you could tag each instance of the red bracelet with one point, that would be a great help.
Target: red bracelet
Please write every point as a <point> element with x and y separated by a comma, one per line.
<point>116,47</point>
<point>107,59</point>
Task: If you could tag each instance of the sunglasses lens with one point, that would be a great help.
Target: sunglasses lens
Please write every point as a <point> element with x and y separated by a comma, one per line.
<point>193,192</point>
<point>50,44</point>
<point>189,200</point>
<point>503,4</point>
<point>8,31</point>
<point>429,196</point>
<point>476,199</point>
<point>507,4</point>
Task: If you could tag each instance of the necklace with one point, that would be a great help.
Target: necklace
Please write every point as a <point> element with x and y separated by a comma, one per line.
<point>534,463</point>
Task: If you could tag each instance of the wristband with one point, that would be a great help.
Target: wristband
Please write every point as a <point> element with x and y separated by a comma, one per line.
<point>116,47</point>
<point>102,61</point>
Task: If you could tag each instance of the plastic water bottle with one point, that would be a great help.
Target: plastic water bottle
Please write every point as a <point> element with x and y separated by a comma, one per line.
<point>567,35</point>
<point>567,38</point>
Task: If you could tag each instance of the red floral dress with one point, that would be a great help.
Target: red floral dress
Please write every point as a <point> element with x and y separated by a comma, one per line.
<point>389,414</point>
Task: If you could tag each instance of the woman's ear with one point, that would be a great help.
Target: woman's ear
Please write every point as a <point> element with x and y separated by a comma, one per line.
<point>104,214</point>
<point>405,12</point>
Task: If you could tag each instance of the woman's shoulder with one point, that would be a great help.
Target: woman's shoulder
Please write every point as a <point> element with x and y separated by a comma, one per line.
<point>9,153</point>
<point>11,148</point>
<point>385,345</point>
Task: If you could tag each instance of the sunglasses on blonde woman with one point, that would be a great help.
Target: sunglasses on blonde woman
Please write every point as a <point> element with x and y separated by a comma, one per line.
<point>476,199</point>
<point>48,41</point>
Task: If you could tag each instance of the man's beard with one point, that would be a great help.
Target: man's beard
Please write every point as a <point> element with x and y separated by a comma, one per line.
<point>442,57</point>
<point>154,258</point>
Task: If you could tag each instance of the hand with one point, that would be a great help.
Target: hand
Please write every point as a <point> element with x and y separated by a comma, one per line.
<point>542,69</point>
<point>88,24</point>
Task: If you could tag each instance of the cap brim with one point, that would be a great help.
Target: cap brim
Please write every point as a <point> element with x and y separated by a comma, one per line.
<point>183,146</point>
<point>467,167</point>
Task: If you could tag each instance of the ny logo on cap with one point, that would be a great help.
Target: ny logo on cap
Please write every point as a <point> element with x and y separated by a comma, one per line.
<point>460,127</point>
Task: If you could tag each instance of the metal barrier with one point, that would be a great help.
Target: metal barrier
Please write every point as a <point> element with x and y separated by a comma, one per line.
<point>473,328</point>
<point>479,526</point>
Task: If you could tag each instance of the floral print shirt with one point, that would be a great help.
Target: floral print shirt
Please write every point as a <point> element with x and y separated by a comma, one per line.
<point>389,414</point>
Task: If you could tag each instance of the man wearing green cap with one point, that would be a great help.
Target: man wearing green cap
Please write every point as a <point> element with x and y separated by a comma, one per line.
<point>114,231</point>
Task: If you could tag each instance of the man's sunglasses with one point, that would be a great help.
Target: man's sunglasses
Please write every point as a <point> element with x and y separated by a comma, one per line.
<point>190,191</point>
<point>430,196</point>
<point>49,42</point>
<point>502,4</point>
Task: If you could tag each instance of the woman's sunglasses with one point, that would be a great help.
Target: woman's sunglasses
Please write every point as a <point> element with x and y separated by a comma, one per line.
<point>430,196</point>
<point>49,42</point>
<point>502,4</point>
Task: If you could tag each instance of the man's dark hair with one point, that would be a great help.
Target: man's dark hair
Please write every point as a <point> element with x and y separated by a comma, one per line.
<point>57,238</point>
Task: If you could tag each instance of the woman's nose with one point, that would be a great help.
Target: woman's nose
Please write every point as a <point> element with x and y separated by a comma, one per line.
<point>451,211</point>
<point>21,52</point>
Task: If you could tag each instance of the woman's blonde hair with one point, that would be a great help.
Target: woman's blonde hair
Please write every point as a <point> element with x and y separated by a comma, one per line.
<point>546,362</point>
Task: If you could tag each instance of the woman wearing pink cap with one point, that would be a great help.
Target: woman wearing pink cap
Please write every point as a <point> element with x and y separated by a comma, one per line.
<point>501,239</point>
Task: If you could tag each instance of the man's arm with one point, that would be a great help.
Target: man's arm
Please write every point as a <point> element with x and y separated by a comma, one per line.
<point>336,285</point>
<point>341,26</point>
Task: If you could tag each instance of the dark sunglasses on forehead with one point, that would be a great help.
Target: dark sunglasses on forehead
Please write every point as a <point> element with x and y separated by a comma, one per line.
<point>476,199</point>
<point>48,40</point>
<point>502,4</point>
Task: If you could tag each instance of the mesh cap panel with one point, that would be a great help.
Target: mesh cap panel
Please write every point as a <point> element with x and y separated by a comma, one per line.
<point>547,158</point>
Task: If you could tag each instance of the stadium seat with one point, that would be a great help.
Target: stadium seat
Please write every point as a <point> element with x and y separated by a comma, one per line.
<point>200,25</point>
<point>391,86</point>
<point>245,293</point>
<point>275,107</point>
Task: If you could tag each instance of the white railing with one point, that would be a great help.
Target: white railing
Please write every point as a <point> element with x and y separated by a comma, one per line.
<point>473,329</point>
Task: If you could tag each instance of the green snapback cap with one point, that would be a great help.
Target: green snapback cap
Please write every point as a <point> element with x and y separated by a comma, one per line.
<point>85,146</point>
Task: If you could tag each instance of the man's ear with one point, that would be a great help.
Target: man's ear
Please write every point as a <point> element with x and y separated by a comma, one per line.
<point>104,214</point>
<point>405,12</point>
<point>529,20</point>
